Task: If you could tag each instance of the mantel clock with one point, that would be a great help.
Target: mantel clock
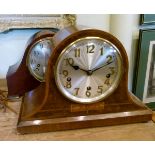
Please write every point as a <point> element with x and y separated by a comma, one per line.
<point>29,72</point>
<point>86,85</point>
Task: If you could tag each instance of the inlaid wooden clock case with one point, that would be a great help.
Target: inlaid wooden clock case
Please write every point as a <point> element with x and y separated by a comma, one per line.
<point>46,109</point>
<point>19,79</point>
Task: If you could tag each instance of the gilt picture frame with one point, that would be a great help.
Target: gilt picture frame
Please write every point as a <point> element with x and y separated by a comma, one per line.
<point>25,21</point>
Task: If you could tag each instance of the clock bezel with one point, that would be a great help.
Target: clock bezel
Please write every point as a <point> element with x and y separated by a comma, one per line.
<point>107,93</point>
<point>28,58</point>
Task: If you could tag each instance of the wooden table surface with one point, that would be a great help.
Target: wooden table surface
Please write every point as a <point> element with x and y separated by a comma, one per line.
<point>139,131</point>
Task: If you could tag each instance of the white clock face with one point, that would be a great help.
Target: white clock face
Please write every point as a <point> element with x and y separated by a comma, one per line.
<point>88,70</point>
<point>38,58</point>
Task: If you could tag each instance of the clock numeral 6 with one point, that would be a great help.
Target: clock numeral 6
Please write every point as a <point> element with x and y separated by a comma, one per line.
<point>88,93</point>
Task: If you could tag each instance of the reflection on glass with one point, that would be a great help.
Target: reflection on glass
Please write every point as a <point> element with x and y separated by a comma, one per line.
<point>151,81</point>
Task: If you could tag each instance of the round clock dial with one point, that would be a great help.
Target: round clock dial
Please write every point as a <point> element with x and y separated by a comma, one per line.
<point>38,58</point>
<point>88,70</point>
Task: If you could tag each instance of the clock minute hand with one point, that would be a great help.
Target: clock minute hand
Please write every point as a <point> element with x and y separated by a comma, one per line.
<point>95,69</point>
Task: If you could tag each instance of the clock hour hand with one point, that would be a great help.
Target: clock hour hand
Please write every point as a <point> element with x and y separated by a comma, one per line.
<point>89,72</point>
<point>77,67</point>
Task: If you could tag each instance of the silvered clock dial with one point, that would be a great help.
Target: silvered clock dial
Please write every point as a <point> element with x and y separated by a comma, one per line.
<point>38,57</point>
<point>88,70</point>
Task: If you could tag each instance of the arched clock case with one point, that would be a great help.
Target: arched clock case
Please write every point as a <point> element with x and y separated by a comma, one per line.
<point>20,77</point>
<point>77,94</point>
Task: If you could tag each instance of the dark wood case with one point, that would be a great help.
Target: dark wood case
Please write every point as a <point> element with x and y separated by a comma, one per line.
<point>19,79</point>
<point>46,109</point>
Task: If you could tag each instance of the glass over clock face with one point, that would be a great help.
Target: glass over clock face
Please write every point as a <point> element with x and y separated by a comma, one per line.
<point>88,70</point>
<point>38,58</point>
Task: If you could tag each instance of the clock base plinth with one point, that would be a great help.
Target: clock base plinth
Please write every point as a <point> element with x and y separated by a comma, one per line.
<point>55,120</point>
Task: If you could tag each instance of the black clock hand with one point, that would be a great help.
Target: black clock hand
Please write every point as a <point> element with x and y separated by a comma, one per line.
<point>95,69</point>
<point>77,67</point>
<point>89,72</point>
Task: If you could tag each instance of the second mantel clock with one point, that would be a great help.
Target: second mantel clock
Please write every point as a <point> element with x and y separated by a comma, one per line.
<point>86,86</point>
<point>29,72</point>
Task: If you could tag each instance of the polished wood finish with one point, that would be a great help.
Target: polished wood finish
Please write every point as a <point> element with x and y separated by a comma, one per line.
<point>136,131</point>
<point>46,109</point>
<point>19,79</point>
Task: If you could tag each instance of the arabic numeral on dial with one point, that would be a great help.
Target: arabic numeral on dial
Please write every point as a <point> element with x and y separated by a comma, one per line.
<point>101,50</point>
<point>88,93</point>
<point>41,45</point>
<point>76,91</point>
<point>90,48</point>
<point>107,82</point>
<point>112,69</point>
<point>36,53</point>
<point>65,73</point>
<point>109,59</point>
<point>100,89</point>
<point>37,69</point>
<point>32,61</point>
<point>68,84</point>
<point>69,61</point>
<point>77,52</point>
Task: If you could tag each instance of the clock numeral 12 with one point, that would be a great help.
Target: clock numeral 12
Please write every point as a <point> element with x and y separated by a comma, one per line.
<point>90,48</point>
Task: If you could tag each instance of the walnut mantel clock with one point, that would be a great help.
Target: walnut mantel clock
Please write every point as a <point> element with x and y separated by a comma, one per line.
<point>28,73</point>
<point>86,85</point>
<point>88,70</point>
